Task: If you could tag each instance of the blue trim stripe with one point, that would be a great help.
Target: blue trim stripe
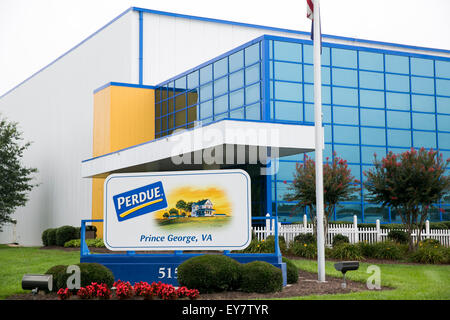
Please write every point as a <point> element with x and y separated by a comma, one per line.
<point>123,84</point>
<point>141,47</point>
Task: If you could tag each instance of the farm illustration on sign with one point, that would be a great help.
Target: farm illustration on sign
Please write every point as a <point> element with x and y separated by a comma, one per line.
<point>195,207</point>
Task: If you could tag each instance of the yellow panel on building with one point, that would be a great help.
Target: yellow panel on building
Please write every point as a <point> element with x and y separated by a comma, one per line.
<point>123,116</point>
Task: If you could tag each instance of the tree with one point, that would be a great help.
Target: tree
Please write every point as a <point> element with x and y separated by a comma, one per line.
<point>338,183</point>
<point>410,183</point>
<point>181,205</point>
<point>173,212</point>
<point>15,178</point>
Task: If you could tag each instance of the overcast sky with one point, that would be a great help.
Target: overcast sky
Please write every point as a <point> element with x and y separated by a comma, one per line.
<point>35,32</point>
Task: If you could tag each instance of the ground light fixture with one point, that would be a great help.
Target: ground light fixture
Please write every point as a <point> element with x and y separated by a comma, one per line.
<point>345,266</point>
<point>36,282</point>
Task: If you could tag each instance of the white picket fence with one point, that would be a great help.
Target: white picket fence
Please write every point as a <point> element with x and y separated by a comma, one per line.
<point>352,231</point>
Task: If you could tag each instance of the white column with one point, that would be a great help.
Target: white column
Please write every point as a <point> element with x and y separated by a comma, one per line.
<point>378,230</point>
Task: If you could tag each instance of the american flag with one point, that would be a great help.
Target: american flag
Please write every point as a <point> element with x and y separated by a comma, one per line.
<point>310,15</point>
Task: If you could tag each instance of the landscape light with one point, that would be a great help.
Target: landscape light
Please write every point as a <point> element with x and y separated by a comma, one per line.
<point>345,266</point>
<point>36,282</point>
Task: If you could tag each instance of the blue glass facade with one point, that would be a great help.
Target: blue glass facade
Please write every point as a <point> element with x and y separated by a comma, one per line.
<point>374,101</point>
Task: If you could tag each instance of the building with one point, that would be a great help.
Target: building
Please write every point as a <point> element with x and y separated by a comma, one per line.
<point>203,208</point>
<point>115,101</point>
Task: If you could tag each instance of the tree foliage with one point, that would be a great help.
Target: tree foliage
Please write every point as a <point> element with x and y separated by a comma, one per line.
<point>338,183</point>
<point>411,183</point>
<point>15,178</point>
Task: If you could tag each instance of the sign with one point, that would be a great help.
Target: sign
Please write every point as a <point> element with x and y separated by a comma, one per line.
<point>177,210</point>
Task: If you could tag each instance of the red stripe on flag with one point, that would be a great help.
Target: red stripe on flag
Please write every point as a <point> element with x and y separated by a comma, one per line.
<point>311,7</point>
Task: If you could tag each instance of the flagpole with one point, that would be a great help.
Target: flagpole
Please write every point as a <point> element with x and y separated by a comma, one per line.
<point>318,143</point>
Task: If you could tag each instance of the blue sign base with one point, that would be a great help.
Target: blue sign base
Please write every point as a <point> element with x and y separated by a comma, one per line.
<point>163,267</point>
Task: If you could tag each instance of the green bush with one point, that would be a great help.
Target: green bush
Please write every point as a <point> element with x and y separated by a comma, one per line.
<point>57,272</point>
<point>398,236</point>
<point>90,272</point>
<point>367,249</point>
<point>431,255</point>
<point>44,237</point>
<point>304,250</point>
<point>346,251</point>
<point>430,243</point>
<point>307,238</point>
<point>389,250</point>
<point>291,271</point>
<point>261,277</point>
<point>339,238</point>
<point>64,234</point>
<point>266,246</point>
<point>51,237</point>
<point>76,243</point>
<point>210,273</point>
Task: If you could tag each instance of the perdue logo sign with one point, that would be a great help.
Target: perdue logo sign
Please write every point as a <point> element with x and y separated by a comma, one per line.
<point>140,201</point>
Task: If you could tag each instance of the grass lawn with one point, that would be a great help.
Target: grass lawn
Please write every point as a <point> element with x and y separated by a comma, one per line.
<point>430,282</point>
<point>15,262</point>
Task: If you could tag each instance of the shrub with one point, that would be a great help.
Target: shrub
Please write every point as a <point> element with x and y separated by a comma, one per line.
<point>268,245</point>
<point>367,249</point>
<point>291,271</point>
<point>398,236</point>
<point>346,251</point>
<point>303,250</point>
<point>340,238</point>
<point>90,272</point>
<point>430,254</point>
<point>389,250</point>
<point>261,277</point>
<point>307,238</point>
<point>64,234</point>
<point>44,237</point>
<point>76,243</point>
<point>429,243</point>
<point>57,272</point>
<point>210,273</point>
<point>51,237</point>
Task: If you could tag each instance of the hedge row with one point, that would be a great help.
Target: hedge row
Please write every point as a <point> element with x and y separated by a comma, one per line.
<point>215,273</point>
<point>441,225</point>
<point>59,236</point>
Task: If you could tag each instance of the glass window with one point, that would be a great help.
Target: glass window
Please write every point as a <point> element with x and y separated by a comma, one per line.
<point>422,85</point>
<point>206,92</point>
<point>422,67</point>
<point>368,153</point>
<point>398,119</point>
<point>308,54</point>
<point>288,71</point>
<point>237,113</point>
<point>343,58</point>
<point>252,93</point>
<point>444,140</point>
<point>220,86</point>
<point>396,82</point>
<point>345,96</point>
<point>288,91</point>
<point>372,212</point>
<point>288,51</point>
<point>206,110</point>
<point>423,121</point>
<point>397,64</point>
<point>237,80</point>
<point>252,74</point>
<point>349,153</point>
<point>345,77</point>
<point>286,171</point>
<point>221,104</point>
<point>373,136</point>
<point>422,103</point>
<point>397,101</point>
<point>370,61</point>
<point>443,122</point>
<point>326,113</point>
<point>236,61</point>
<point>253,112</point>
<point>355,170</point>
<point>443,87</point>
<point>237,99</point>
<point>399,138</point>
<point>443,105</point>
<point>180,118</point>
<point>442,69</point>
<point>206,74</point>
<point>180,85</point>
<point>345,115</point>
<point>346,211</point>
<point>290,111</point>
<point>424,139</point>
<point>371,80</point>
<point>371,117</point>
<point>373,99</point>
<point>346,134</point>
<point>309,74</point>
<point>180,102</point>
<point>252,54</point>
<point>192,80</point>
<point>192,97</point>
<point>327,133</point>
<point>220,68</point>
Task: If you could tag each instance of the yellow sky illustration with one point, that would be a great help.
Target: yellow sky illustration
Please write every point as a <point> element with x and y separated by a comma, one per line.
<point>218,197</point>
